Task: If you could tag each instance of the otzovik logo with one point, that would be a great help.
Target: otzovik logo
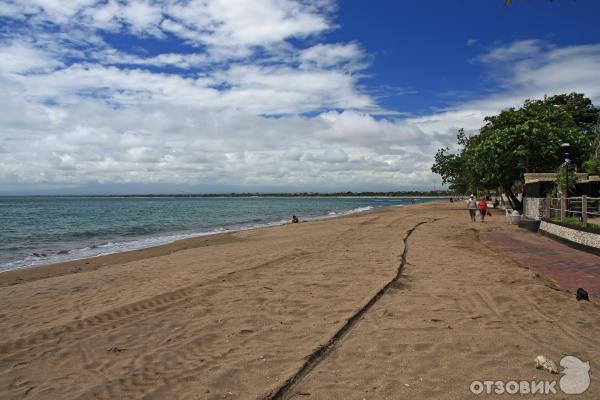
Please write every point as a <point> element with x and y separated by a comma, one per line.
<point>575,380</point>
<point>576,377</point>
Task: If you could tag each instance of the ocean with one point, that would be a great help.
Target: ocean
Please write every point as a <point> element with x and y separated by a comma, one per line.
<point>43,230</point>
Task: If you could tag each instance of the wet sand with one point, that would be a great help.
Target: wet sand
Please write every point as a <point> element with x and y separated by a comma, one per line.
<point>238,315</point>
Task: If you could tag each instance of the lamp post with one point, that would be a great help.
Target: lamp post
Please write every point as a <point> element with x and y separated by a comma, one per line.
<point>566,147</point>
<point>565,200</point>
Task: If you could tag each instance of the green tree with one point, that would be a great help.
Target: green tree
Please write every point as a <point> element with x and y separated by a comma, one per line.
<point>522,140</point>
<point>592,166</point>
<point>456,170</point>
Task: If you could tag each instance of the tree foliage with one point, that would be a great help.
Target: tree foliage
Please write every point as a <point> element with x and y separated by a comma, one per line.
<point>453,168</point>
<point>521,140</point>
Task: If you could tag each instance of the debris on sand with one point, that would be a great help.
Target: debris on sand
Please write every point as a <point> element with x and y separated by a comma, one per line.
<point>115,349</point>
<point>542,362</point>
<point>582,294</point>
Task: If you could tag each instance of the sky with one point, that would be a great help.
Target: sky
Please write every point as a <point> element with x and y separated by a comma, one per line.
<point>218,96</point>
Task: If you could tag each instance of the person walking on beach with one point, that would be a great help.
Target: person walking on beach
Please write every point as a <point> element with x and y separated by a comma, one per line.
<point>482,208</point>
<point>472,206</point>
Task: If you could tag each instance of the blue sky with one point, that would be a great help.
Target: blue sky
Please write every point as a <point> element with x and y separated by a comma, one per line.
<point>268,95</point>
<point>431,47</point>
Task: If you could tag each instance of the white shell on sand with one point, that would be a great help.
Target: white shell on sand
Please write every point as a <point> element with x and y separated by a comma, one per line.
<point>542,362</point>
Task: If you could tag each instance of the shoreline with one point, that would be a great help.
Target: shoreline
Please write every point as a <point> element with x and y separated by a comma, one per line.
<point>86,264</point>
<point>163,238</point>
<point>78,244</point>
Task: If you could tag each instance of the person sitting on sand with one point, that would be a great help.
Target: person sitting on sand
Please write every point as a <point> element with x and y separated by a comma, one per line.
<point>472,205</point>
<point>482,208</point>
<point>295,220</point>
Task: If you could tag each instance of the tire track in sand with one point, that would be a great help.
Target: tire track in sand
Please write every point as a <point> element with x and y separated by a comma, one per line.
<point>315,358</point>
<point>164,368</point>
<point>130,313</point>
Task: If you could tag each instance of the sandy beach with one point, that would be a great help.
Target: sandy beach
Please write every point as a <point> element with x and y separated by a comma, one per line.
<point>398,303</point>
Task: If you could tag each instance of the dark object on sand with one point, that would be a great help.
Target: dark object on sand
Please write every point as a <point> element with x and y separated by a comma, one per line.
<point>582,295</point>
<point>295,220</point>
<point>115,349</point>
<point>530,224</point>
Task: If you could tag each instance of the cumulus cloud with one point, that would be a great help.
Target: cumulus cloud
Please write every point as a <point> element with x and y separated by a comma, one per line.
<point>213,23</point>
<point>235,101</point>
<point>348,55</point>
<point>19,57</point>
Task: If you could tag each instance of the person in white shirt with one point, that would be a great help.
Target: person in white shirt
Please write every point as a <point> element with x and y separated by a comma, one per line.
<point>472,205</point>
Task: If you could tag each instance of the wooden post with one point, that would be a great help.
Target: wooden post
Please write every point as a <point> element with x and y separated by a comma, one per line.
<point>584,210</point>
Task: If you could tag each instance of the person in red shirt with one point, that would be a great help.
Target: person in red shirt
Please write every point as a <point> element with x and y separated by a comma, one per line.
<point>482,208</point>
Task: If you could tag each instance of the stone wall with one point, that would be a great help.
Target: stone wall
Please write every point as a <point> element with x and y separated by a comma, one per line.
<point>588,239</point>
<point>535,207</point>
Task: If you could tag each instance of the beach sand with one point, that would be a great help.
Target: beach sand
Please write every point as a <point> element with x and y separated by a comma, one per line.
<point>238,315</point>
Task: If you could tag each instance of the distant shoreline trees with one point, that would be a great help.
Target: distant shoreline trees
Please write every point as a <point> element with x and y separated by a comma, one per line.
<point>517,141</point>
<point>409,193</point>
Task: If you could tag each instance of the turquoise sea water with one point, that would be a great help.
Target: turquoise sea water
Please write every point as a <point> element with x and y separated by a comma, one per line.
<point>43,230</point>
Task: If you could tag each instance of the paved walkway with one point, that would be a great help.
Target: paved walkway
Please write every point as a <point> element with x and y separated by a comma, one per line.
<point>569,267</point>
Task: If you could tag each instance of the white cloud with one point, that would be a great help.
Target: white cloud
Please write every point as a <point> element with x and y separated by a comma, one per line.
<point>573,68</point>
<point>332,55</point>
<point>332,156</point>
<point>179,60</point>
<point>250,107</point>
<point>142,15</point>
<point>61,11</point>
<point>237,26</point>
<point>256,23</point>
<point>104,16</point>
<point>513,51</point>
<point>18,57</point>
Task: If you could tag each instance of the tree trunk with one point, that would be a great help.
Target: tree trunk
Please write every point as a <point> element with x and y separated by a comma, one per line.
<point>514,201</point>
